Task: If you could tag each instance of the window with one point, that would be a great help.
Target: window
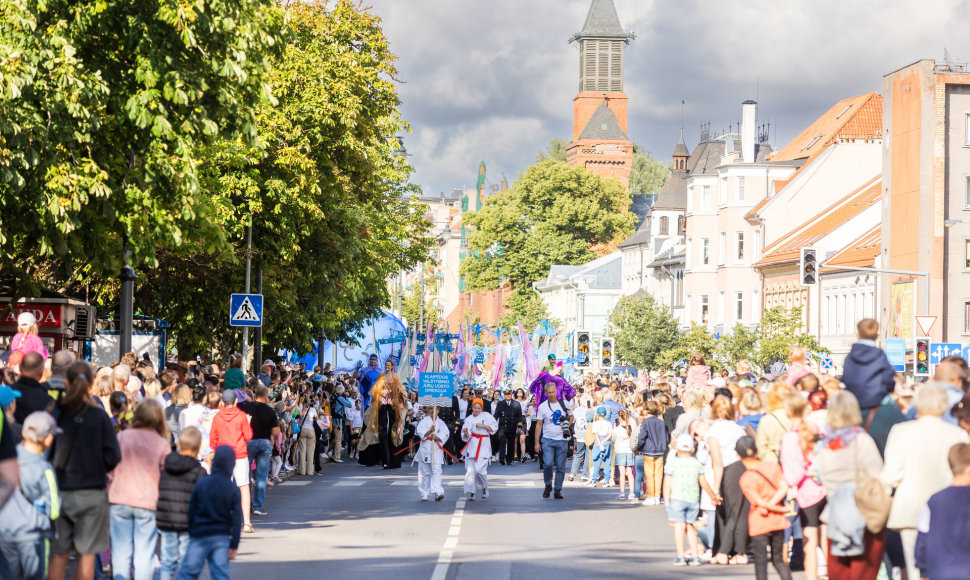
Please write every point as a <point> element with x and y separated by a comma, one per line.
<point>740,246</point>
<point>705,309</point>
<point>705,251</point>
<point>681,225</point>
<point>968,129</point>
<point>741,188</point>
<point>757,245</point>
<point>722,192</point>
<point>706,198</point>
<point>722,249</point>
<point>739,306</point>
<point>966,317</point>
<point>966,194</point>
<point>664,225</point>
<point>967,255</point>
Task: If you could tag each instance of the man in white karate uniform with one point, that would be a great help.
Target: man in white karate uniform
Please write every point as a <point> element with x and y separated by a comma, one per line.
<point>434,432</point>
<point>478,451</point>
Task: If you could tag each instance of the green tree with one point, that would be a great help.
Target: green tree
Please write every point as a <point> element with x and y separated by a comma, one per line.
<point>525,306</point>
<point>779,330</point>
<point>555,151</point>
<point>739,344</point>
<point>553,214</point>
<point>332,212</point>
<point>697,339</point>
<point>411,308</point>
<point>648,174</point>
<point>103,108</point>
<point>642,328</point>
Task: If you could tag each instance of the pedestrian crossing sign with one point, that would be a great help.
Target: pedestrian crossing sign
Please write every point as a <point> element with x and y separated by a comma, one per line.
<point>246,310</point>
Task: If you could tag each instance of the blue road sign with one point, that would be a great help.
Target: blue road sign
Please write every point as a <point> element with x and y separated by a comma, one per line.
<point>435,389</point>
<point>827,363</point>
<point>941,350</point>
<point>896,353</point>
<point>246,310</point>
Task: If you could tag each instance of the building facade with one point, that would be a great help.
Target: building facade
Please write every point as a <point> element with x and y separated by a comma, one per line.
<point>600,143</point>
<point>583,297</point>
<point>926,197</point>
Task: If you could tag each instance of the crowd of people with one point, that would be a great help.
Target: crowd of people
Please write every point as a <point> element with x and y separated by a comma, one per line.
<point>139,473</point>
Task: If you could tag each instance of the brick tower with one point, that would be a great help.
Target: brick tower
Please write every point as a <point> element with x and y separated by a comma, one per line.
<point>600,143</point>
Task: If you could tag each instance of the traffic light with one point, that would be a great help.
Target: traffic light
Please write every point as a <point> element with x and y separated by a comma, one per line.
<point>583,339</point>
<point>921,357</point>
<point>808,267</point>
<point>606,353</point>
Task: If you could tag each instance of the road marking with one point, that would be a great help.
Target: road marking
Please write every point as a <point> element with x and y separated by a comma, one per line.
<point>349,483</point>
<point>402,483</point>
<point>297,483</point>
<point>451,542</point>
<point>520,484</point>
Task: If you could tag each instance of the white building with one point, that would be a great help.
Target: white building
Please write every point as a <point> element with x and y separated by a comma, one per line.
<point>583,297</point>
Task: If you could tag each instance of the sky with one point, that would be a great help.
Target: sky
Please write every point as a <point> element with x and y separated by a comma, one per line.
<point>494,80</point>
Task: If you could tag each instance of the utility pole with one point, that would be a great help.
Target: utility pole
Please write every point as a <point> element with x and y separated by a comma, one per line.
<point>249,260</point>
<point>421,306</point>
<point>126,315</point>
<point>258,333</point>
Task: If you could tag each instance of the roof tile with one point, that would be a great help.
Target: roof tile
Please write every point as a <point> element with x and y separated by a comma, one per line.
<point>858,117</point>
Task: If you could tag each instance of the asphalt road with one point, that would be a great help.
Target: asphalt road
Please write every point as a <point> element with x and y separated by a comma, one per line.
<point>359,522</point>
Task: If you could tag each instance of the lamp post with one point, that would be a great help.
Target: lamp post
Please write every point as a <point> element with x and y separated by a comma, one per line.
<point>127,300</point>
<point>249,260</point>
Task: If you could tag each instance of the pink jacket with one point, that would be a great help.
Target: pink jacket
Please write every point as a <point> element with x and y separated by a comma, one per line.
<point>797,467</point>
<point>28,343</point>
<point>134,482</point>
<point>698,376</point>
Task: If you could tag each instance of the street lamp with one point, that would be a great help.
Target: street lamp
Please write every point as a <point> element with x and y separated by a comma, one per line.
<point>126,315</point>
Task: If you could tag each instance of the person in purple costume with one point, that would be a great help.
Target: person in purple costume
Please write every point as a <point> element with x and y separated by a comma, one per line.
<point>563,389</point>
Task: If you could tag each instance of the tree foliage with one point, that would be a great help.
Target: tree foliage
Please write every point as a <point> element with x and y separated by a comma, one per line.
<point>103,108</point>
<point>555,151</point>
<point>648,174</point>
<point>642,328</point>
<point>553,214</point>
<point>779,330</point>
<point>527,307</point>
<point>177,126</point>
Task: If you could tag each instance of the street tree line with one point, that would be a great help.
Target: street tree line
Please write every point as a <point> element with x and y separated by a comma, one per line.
<point>165,129</point>
<point>647,336</point>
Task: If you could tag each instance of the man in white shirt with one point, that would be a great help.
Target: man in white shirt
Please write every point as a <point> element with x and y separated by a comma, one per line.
<point>551,416</point>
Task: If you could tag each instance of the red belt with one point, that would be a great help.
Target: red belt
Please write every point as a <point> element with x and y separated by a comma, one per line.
<point>477,450</point>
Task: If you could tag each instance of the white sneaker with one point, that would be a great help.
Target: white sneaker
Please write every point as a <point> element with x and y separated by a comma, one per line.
<point>590,484</point>
<point>424,498</point>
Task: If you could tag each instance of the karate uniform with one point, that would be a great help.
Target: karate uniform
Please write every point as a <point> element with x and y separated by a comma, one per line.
<point>430,457</point>
<point>478,450</point>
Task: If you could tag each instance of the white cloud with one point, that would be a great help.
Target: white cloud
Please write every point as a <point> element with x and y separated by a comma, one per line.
<point>495,80</point>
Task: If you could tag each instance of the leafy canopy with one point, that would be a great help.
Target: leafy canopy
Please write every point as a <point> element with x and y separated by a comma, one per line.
<point>642,328</point>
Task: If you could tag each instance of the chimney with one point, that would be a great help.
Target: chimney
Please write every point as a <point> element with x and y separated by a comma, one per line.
<point>748,112</point>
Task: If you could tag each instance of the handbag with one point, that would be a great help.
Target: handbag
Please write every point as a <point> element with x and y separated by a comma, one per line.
<point>872,498</point>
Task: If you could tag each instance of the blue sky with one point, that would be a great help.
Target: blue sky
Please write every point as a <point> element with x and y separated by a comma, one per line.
<point>494,80</point>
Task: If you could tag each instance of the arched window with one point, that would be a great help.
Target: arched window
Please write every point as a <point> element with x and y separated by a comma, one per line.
<point>664,226</point>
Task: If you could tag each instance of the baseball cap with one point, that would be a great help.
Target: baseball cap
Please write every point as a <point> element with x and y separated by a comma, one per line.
<point>26,319</point>
<point>38,425</point>
<point>685,442</point>
<point>229,396</point>
<point>269,362</point>
<point>746,447</point>
<point>7,395</point>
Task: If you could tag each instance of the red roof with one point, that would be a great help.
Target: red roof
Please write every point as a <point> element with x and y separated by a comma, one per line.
<point>858,117</point>
<point>860,253</point>
<point>789,247</point>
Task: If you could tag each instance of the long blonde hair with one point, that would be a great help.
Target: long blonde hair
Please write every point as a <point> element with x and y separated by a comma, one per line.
<point>149,414</point>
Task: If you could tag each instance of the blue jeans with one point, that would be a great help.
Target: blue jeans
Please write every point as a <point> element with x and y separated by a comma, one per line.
<point>706,533</point>
<point>133,539</point>
<point>260,451</point>
<point>601,460</point>
<point>638,480</point>
<point>212,549</point>
<point>553,456</point>
<point>579,457</point>
<point>174,546</point>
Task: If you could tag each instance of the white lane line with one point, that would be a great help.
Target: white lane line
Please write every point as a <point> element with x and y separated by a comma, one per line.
<point>295,483</point>
<point>402,483</point>
<point>451,542</point>
<point>520,484</point>
<point>347,483</point>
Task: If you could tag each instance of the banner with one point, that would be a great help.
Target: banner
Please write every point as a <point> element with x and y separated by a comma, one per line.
<point>903,310</point>
<point>435,389</point>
